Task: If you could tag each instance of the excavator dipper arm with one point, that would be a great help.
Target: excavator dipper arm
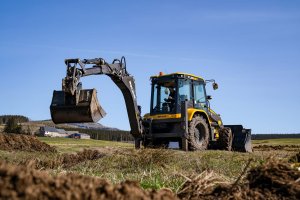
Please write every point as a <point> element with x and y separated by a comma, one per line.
<point>73,104</point>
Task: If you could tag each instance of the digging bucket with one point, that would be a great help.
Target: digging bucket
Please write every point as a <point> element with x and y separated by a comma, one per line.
<point>86,110</point>
<point>241,138</point>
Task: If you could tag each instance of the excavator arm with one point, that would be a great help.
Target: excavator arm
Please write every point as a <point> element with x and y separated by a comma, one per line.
<point>75,105</point>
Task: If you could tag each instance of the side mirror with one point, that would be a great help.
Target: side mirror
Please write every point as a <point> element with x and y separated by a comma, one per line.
<point>215,86</point>
<point>209,97</point>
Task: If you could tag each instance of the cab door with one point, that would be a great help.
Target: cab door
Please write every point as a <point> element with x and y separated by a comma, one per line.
<point>185,92</point>
<point>199,96</point>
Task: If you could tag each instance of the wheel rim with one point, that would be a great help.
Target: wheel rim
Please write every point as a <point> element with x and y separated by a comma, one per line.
<point>199,133</point>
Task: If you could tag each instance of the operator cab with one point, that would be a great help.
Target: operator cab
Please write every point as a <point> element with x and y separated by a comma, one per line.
<point>168,91</point>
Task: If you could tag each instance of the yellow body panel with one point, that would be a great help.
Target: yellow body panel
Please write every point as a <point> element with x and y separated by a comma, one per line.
<point>162,116</point>
<point>219,122</point>
<point>191,112</point>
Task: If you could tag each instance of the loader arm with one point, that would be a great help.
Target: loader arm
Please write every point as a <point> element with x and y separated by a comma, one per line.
<point>71,86</point>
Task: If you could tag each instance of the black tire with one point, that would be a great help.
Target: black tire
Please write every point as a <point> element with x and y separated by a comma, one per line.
<point>183,144</point>
<point>225,139</point>
<point>198,134</point>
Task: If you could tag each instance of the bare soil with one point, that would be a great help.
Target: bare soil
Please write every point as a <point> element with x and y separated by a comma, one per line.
<point>64,160</point>
<point>270,181</point>
<point>19,182</point>
<point>20,142</point>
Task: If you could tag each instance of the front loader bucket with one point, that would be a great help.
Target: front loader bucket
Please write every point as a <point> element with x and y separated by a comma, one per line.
<point>86,110</point>
<point>241,138</point>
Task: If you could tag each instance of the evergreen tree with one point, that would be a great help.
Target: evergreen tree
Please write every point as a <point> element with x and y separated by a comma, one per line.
<point>12,126</point>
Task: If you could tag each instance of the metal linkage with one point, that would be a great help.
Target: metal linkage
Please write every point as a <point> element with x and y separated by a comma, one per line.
<point>76,69</point>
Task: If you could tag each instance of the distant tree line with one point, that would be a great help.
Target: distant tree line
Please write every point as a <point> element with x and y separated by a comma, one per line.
<point>274,136</point>
<point>109,135</point>
<point>17,118</point>
<point>125,136</point>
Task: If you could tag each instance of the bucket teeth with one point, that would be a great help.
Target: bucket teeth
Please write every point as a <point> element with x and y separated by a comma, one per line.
<point>85,109</point>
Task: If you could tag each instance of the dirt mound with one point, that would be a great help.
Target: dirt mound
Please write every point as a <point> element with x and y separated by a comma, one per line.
<point>18,182</point>
<point>68,160</point>
<point>275,180</point>
<point>65,160</point>
<point>276,147</point>
<point>270,181</point>
<point>23,143</point>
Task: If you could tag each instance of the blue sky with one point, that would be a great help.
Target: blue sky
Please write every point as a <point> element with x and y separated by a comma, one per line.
<point>252,49</point>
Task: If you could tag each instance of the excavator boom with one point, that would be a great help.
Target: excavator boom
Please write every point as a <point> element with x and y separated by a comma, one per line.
<point>75,105</point>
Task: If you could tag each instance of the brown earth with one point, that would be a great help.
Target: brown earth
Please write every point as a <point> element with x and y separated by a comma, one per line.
<point>19,182</point>
<point>270,181</point>
<point>273,180</point>
<point>20,142</point>
<point>64,160</point>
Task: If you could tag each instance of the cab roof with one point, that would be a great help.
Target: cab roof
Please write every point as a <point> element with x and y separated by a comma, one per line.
<point>179,73</point>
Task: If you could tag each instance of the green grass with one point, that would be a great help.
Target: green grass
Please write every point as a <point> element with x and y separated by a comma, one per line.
<point>72,145</point>
<point>284,141</point>
<point>152,168</point>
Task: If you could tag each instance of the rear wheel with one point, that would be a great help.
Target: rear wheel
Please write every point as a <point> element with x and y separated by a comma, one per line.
<point>198,134</point>
<point>225,139</point>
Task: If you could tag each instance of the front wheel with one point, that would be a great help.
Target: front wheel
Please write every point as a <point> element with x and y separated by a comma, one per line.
<point>198,134</point>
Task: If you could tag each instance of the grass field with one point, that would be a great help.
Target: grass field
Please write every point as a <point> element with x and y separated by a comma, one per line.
<point>286,141</point>
<point>71,145</point>
<point>153,168</point>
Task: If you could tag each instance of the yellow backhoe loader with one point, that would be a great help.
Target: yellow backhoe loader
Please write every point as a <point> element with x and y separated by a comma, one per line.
<point>179,112</point>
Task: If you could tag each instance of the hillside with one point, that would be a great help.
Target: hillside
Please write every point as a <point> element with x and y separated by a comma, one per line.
<point>34,126</point>
<point>96,126</point>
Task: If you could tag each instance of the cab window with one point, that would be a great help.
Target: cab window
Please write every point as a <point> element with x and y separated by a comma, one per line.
<point>199,96</point>
<point>164,97</point>
<point>184,88</point>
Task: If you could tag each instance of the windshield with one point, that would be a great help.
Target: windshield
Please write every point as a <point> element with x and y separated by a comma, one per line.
<point>164,97</point>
